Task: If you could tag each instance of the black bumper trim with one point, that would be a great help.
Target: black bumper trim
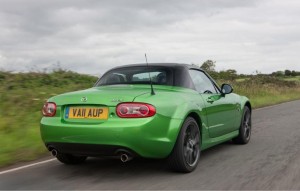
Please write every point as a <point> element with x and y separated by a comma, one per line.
<point>89,149</point>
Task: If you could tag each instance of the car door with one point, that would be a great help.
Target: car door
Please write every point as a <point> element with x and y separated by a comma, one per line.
<point>221,110</point>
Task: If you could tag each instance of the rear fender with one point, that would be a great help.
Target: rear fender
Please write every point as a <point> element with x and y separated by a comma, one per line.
<point>196,111</point>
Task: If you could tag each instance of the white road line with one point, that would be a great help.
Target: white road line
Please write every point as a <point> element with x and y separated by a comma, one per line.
<point>26,166</point>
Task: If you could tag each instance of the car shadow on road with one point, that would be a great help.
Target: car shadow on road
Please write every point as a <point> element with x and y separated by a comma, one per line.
<point>113,168</point>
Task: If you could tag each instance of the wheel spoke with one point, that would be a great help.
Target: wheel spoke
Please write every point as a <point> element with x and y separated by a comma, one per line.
<point>191,158</point>
<point>246,133</point>
<point>247,117</point>
<point>188,158</point>
<point>185,150</point>
<point>196,139</point>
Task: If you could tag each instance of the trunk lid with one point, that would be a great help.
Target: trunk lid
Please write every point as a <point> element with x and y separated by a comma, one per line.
<point>95,105</point>
<point>107,95</point>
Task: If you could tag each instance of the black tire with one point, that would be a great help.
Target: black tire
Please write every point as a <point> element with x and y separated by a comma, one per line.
<point>245,128</point>
<point>186,152</point>
<point>70,159</point>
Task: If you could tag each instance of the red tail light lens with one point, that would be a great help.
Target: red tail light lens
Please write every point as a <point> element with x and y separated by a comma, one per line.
<point>135,110</point>
<point>49,109</point>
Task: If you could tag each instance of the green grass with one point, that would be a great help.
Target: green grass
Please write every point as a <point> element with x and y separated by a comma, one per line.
<point>241,79</point>
<point>269,95</point>
<point>294,78</point>
<point>23,95</point>
<point>266,90</point>
<point>21,99</point>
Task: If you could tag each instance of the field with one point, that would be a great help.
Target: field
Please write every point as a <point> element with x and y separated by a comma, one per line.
<point>22,96</point>
<point>267,90</point>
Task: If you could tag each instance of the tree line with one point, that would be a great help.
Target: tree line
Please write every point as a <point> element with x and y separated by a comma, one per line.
<point>231,74</point>
<point>286,73</point>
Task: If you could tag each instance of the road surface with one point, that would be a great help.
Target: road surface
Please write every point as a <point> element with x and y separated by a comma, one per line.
<point>270,161</point>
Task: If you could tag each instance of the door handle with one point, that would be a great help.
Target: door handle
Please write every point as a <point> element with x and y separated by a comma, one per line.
<point>209,100</point>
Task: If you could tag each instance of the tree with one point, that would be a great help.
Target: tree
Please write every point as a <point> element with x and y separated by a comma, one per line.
<point>208,66</point>
<point>278,73</point>
<point>229,74</point>
<point>287,73</point>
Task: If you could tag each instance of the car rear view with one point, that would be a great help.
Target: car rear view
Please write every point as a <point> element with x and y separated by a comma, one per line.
<point>107,121</point>
<point>171,111</point>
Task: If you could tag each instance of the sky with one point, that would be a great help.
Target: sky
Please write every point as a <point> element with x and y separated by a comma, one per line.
<point>92,36</point>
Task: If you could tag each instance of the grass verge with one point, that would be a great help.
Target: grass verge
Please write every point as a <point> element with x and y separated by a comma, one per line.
<point>21,99</point>
<point>265,90</point>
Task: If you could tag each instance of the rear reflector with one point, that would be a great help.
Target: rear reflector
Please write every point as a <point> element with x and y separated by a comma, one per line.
<point>135,110</point>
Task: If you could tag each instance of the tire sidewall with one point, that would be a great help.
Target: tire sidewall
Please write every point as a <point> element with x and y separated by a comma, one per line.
<point>180,143</point>
<point>242,129</point>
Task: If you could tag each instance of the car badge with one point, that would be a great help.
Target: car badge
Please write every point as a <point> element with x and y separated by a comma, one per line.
<point>84,99</point>
<point>117,100</point>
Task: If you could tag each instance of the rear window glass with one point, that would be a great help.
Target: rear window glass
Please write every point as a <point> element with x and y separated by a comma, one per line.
<point>137,75</point>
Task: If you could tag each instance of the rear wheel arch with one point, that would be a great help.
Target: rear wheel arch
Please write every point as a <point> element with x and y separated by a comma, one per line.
<point>197,118</point>
<point>248,105</point>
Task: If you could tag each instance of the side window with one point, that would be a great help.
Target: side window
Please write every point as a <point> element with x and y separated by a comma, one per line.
<point>202,82</point>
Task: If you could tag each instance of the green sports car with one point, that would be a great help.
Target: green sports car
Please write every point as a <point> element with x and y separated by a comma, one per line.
<point>169,110</point>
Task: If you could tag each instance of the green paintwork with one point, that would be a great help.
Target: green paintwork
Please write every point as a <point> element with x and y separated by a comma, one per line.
<point>153,137</point>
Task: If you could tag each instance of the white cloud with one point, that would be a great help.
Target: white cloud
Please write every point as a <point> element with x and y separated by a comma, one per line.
<point>93,36</point>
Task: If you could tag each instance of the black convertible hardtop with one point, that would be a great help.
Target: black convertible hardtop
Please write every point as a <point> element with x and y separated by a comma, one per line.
<point>180,72</point>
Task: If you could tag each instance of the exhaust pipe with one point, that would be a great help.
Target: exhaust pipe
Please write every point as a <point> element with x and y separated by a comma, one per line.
<point>125,157</point>
<point>54,152</point>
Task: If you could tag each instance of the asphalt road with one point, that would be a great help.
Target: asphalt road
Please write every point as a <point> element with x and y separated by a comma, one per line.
<point>270,161</point>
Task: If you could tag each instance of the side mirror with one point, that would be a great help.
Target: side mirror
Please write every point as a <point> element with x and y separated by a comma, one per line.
<point>226,89</point>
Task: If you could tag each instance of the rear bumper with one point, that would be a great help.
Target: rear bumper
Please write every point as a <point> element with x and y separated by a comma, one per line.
<point>146,137</point>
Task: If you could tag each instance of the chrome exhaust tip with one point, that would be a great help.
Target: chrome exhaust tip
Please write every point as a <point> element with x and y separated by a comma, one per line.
<point>125,157</point>
<point>54,152</point>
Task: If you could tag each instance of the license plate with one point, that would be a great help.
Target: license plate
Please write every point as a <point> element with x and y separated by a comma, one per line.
<point>86,113</point>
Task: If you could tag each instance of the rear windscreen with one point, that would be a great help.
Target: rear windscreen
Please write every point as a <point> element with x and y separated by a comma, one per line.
<point>137,75</point>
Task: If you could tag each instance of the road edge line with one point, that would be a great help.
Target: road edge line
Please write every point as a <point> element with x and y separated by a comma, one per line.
<point>26,166</point>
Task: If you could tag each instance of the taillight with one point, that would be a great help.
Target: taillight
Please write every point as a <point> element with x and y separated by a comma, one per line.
<point>49,109</point>
<point>135,110</point>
